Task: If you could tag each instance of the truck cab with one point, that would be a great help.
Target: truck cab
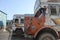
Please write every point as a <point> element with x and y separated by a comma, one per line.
<point>45,25</point>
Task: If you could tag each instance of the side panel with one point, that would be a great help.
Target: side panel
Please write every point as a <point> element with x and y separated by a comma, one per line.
<point>27,24</point>
<point>35,25</point>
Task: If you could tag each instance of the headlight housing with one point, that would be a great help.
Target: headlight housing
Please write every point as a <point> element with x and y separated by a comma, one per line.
<point>33,27</point>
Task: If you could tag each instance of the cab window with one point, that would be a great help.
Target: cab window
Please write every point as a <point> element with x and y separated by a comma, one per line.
<point>22,21</point>
<point>53,10</point>
<point>16,20</point>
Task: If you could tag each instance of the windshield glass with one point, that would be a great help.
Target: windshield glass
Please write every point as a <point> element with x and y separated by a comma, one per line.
<point>22,21</point>
<point>53,10</point>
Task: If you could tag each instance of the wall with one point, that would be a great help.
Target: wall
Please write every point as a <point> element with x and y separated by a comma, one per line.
<point>3,18</point>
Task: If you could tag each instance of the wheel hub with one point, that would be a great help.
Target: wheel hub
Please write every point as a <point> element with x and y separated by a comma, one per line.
<point>47,38</point>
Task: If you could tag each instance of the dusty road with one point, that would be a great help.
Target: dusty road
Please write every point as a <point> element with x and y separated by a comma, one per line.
<point>20,38</point>
<point>7,36</point>
<point>4,35</point>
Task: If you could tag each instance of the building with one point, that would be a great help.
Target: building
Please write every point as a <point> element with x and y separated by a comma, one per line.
<point>9,22</point>
<point>3,18</point>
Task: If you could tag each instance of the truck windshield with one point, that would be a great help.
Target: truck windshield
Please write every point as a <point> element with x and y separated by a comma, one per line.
<point>16,20</point>
<point>22,21</point>
<point>53,10</point>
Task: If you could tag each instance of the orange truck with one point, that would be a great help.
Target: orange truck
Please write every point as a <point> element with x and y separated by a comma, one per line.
<point>45,25</point>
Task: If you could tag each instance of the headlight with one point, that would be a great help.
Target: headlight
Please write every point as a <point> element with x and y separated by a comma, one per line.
<point>33,27</point>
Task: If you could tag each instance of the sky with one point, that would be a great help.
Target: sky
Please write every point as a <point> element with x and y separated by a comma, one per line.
<point>11,7</point>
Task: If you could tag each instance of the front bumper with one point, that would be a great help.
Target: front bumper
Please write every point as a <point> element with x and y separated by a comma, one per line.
<point>28,36</point>
<point>18,32</point>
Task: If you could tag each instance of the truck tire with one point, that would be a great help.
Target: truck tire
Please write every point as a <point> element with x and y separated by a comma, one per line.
<point>46,36</point>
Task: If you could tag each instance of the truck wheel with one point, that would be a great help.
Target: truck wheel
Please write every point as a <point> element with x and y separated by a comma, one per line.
<point>46,36</point>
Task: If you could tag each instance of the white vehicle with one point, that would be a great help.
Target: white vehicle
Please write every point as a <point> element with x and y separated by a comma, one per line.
<point>18,24</point>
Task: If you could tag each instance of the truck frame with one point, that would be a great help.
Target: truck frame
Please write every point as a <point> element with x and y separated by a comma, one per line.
<point>45,25</point>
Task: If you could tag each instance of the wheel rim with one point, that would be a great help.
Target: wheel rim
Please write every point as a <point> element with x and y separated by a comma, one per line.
<point>47,38</point>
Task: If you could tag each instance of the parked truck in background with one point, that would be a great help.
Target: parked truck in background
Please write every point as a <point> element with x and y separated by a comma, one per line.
<point>18,24</point>
<point>45,25</point>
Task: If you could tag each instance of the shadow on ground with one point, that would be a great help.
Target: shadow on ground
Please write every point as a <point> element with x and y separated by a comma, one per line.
<point>19,38</point>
